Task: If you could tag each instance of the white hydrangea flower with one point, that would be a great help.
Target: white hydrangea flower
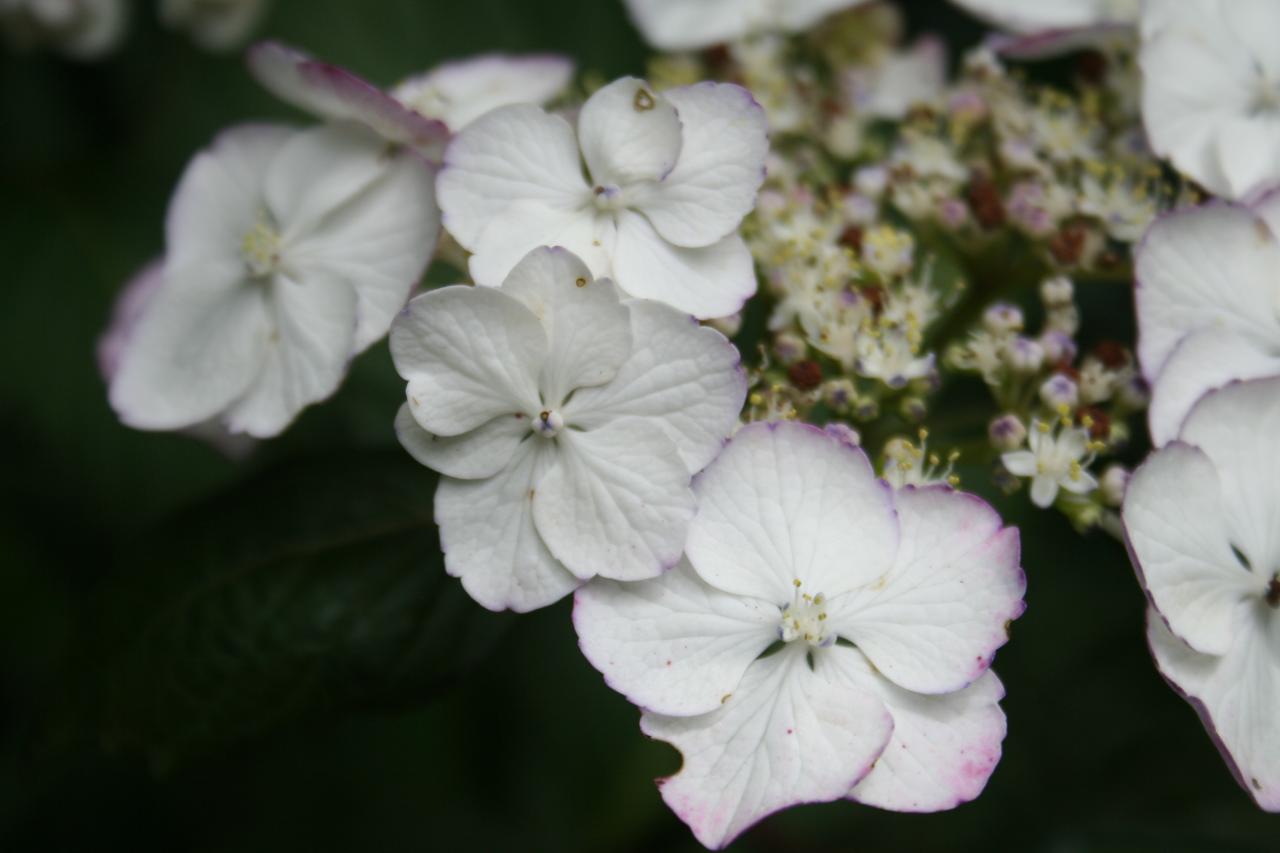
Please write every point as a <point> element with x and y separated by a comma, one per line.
<point>567,422</point>
<point>330,92</point>
<point>691,24</point>
<point>81,29</point>
<point>1208,305</point>
<point>214,24</point>
<point>458,93</point>
<point>669,178</point>
<point>1057,459</point>
<point>889,606</point>
<point>1202,518</point>
<point>288,252</point>
<point>1211,94</point>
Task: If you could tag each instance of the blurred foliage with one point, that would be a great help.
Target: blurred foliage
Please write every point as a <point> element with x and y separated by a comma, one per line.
<point>278,635</point>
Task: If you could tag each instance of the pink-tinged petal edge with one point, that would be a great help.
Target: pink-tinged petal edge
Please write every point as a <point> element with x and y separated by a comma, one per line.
<point>334,92</point>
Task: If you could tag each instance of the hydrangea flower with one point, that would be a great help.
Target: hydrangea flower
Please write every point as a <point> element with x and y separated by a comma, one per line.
<point>567,422</point>
<point>81,29</point>
<point>218,25</point>
<point>684,25</point>
<point>1202,519</point>
<point>330,92</point>
<point>1208,305</point>
<point>669,177</point>
<point>888,607</point>
<point>288,252</point>
<point>1056,459</point>
<point>458,93</point>
<point>1211,93</point>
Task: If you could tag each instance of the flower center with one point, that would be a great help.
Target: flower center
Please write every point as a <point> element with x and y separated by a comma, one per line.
<point>548,423</point>
<point>260,249</point>
<point>806,618</point>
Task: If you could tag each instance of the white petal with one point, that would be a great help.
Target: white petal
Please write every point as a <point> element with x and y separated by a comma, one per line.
<point>1023,17</point>
<point>784,737</point>
<point>1204,360</point>
<point>713,281</point>
<point>1020,463</point>
<point>319,171</point>
<point>713,185</point>
<point>685,377</point>
<point>470,354</point>
<point>1211,267</point>
<point>527,225</point>
<point>785,501</point>
<point>1044,491</point>
<point>682,25</point>
<point>628,133</point>
<point>617,503</point>
<point>672,645</point>
<point>198,345</point>
<point>474,455</point>
<point>460,92</point>
<point>331,92</point>
<point>932,623</point>
<point>379,242</point>
<point>1179,538</point>
<point>1237,428</point>
<point>129,307</point>
<point>587,326</point>
<point>1249,151</point>
<point>943,749</point>
<point>220,197</point>
<point>512,154</point>
<point>489,541</point>
<point>312,340</point>
<point>1235,694</point>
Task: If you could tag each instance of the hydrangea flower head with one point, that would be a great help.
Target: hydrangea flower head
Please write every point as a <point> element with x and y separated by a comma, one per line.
<point>669,177</point>
<point>1208,305</point>
<point>1202,519</point>
<point>888,607</point>
<point>567,421</point>
<point>288,252</point>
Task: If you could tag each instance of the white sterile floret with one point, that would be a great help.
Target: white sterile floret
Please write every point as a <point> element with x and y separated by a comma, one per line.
<point>458,93</point>
<point>331,92</point>
<point>567,422</point>
<point>214,24</point>
<point>1208,305</point>
<point>1202,517</point>
<point>1211,91</point>
<point>668,178</point>
<point>287,253</point>
<point>888,607</point>
<point>1057,459</point>
<point>685,25</point>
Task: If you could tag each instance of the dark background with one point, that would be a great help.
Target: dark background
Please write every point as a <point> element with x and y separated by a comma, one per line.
<point>197,654</point>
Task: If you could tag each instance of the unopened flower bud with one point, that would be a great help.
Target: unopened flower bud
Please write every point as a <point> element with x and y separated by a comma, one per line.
<point>843,433</point>
<point>1113,483</point>
<point>1002,317</point>
<point>1025,355</point>
<point>838,394</point>
<point>914,409</point>
<point>1059,390</point>
<point>1059,347</point>
<point>789,347</point>
<point>1056,291</point>
<point>1007,433</point>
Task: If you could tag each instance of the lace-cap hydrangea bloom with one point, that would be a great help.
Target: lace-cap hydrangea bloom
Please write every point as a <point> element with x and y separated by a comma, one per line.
<point>888,606</point>
<point>1211,91</point>
<point>287,252</point>
<point>80,29</point>
<point>220,25</point>
<point>685,25</point>
<point>458,93</point>
<point>1208,305</point>
<point>330,92</point>
<point>669,178</point>
<point>567,421</point>
<point>1202,519</point>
